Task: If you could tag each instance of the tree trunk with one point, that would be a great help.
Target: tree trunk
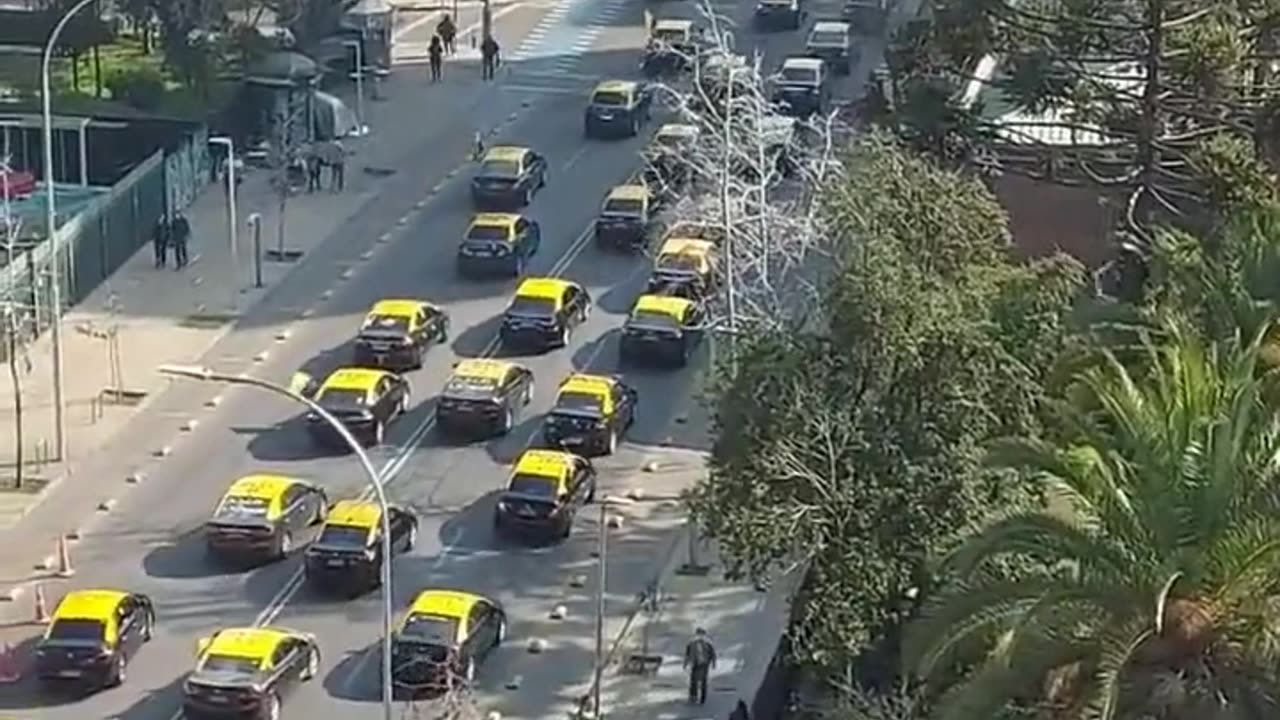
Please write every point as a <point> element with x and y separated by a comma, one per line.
<point>97,72</point>
<point>75,73</point>
<point>19,439</point>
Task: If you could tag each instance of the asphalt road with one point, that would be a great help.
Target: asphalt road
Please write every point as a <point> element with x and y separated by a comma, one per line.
<point>153,544</point>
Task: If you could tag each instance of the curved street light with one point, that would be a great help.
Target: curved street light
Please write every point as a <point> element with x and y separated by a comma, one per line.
<point>375,483</point>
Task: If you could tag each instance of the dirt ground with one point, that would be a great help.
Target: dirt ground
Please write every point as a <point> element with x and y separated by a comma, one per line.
<point>1045,218</point>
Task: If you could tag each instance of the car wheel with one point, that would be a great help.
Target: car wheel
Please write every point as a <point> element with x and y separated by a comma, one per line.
<point>502,631</point>
<point>564,336</point>
<point>286,544</point>
<point>611,444</point>
<point>419,357</point>
<point>528,393</point>
<point>568,529</point>
<point>273,707</point>
<point>379,432</point>
<point>634,129</point>
<point>519,267</point>
<point>412,540</point>
<point>118,672</point>
<point>149,627</point>
<point>322,512</point>
<point>313,665</point>
<point>527,197</point>
<point>508,422</point>
<point>469,672</point>
<point>591,494</point>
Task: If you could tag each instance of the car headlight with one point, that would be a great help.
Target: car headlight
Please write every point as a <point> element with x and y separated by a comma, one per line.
<point>502,506</point>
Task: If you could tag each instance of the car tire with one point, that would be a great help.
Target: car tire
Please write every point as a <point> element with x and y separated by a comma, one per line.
<point>528,393</point>
<point>313,665</point>
<point>502,631</point>
<point>285,545</point>
<point>419,357</point>
<point>322,512</point>
<point>118,672</point>
<point>527,198</point>
<point>591,494</point>
<point>508,422</point>
<point>469,671</point>
<point>519,266</point>
<point>149,627</point>
<point>411,541</point>
<point>379,433</point>
<point>634,129</point>
<point>565,337</point>
<point>273,707</point>
<point>611,443</point>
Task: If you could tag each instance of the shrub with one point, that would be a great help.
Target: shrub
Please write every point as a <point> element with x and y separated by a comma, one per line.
<point>140,87</point>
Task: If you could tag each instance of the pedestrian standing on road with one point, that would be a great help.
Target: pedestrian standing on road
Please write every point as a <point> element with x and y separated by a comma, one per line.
<point>489,57</point>
<point>448,33</point>
<point>160,240</point>
<point>699,658</point>
<point>181,234</point>
<point>740,712</point>
<point>314,167</point>
<point>435,53</point>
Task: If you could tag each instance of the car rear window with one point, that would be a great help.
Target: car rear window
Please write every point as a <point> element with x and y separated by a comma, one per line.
<point>343,399</point>
<point>387,324</point>
<point>803,76</point>
<point>624,206</point>
<point>500,168</point>
<point>229,664</point>
<point>681,262</point>
<point>533,486</point>
<point>489,232</point>
<point>669,35</point>
<point>76,631</point>
<point>579,402</point>
<point>827,38</point>
<point>609,97</point>
<point>532,307</point>
<point>343,536</point>
<point>238,507</point>
<point>430,629</point>
<point>651,319</point>
<point>470,388</point>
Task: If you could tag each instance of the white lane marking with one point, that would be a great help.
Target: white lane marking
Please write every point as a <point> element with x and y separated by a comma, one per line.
<point>581,152</point>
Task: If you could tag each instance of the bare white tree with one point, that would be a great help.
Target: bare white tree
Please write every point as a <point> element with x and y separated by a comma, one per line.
<point>754,173</point>
<point>454,701</point>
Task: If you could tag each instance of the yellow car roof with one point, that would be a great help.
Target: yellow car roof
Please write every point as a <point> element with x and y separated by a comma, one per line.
<point>352,379</point>
<point>686,246</point>
<point>453,604</point>
<point>542,288</point>
<point>588,384</point>
<point>255,643</point>
<point>505,152</point>
<point>623,86</point>
<point>629,192</point>
<point>483,369</point>
<point>552,464</point>
<point>260,487</point>
<point>88,604</point>
<point>662,304</point>
<point>355,513</point>
<point>396,308</point>
<point>505,220</point>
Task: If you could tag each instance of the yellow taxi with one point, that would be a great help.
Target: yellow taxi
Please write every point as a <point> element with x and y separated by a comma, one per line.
<point>247,672</point>
<point>442,638</point>
<point>591,413</point>
<point>364,400</point>
<point>396,333</point>
<point>484,396</point>
<point>92,636</point>
<point>498,244</point>
<point>546,489</point>
<point>617,107</point>
<point>672,46</point>
<point>508,176</point>
<point>347,554</point>
<point>544,313</point>
<point>260,516</point>
<point>627,217</point>
<point>662,328</point>
<point>686,267</point>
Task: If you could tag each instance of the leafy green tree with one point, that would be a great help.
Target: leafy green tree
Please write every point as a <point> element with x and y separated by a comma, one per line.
<point>1146,586</point>
<point>855,452</point>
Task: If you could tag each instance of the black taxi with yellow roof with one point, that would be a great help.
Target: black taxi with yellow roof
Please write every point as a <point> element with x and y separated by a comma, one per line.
<point>347,554</point>
<point>617,107</point>
<point>261,516</point>
<point>544,313</point>
<point>247,672</point>
<point>627,217</point>
<point>442,638</point>
<point>498,244</point>
<point>364,400</point>
<point>508,176</point>
<point>686,267</point>
<point>663,329</point>
<point>396,333</point>
<point>92,636</point>
<point>591,413</point>
<point>484,396</point>
<point>546,489</point>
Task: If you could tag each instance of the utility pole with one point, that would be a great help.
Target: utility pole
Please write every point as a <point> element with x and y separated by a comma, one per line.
<point>13,325</point>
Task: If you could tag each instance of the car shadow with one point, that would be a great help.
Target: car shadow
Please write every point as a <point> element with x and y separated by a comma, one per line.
<point>473,341</point>
<point>286,441</point>
<point>599,355</point>
<point>471,528</point>
<point>186,558</point>
<point>26,693</point>
<point>506,449</point>
<point>320,365</point>
<point>263,583</point>
<point>159,702</point>
<point>355,677</point>
<point>463,289</point>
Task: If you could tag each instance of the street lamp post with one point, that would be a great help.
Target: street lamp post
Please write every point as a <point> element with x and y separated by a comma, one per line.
<point>359,76</point>
<point>51,221</point>
<point>375,483</point>
<point>602,550</point>
<point>232,238</point>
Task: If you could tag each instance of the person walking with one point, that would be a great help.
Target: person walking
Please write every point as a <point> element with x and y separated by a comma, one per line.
<point>740,712</point>
<point>435,53</point>
<point>181,234</point>
<point>335,156</point>
<point>448,33</point>
<point>314,168</point>
<point>699,658</point>
<point>489,57</point>
<point>160,241</point>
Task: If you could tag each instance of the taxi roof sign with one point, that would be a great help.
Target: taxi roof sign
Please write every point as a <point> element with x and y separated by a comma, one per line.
<point>248,643</point>
<point>394,307</point>
<point>88,604</point>
<point>662,304</point>
<point>483,369</point>
<point>542,288</point>
<point>504,220</point>
<point>629,192</point>
<point>260,486</point>
<point>622,86</point>
<point>353,379</point>
<point>505,152</point>
<point>355,513</point>
<point>552,464</point>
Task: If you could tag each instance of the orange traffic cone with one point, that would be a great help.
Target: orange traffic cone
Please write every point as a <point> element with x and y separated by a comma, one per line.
<point>41,607</point>
<point>64,559</point>
<point>10,671</point>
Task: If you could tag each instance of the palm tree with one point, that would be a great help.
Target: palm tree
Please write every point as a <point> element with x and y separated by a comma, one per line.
<point>1148,587</point>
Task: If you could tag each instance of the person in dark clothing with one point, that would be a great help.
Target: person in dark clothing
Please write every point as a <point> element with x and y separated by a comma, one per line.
<point>489,57</point>
<point>160,241</point>
<point>447,33</point>
<point>181,233</point>
<point>740,712</point>
<point>314,168</point>
<point>435,52</point>
<point>699,658</point>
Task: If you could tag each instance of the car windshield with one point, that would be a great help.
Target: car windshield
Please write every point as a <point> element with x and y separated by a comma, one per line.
<point>229,664</point>
<point>679,262</point>
<point>532,307</point>
<point>652,319</point>
<point>827,38</point>
<point>390,324</point>
<point>488,232</point>
<point>799,75</point>
<point>432,629</point>
<point>579,402</point>
<point>623,206</point>
<point>343,399</point>
<point>344,536</point>
<point>76,631</point>
<point>609,97</point>
<point>500,168</point>
<point>239,507</point>
<point>533,486</point>
<point>470,388</point>
<point>668,35</point>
